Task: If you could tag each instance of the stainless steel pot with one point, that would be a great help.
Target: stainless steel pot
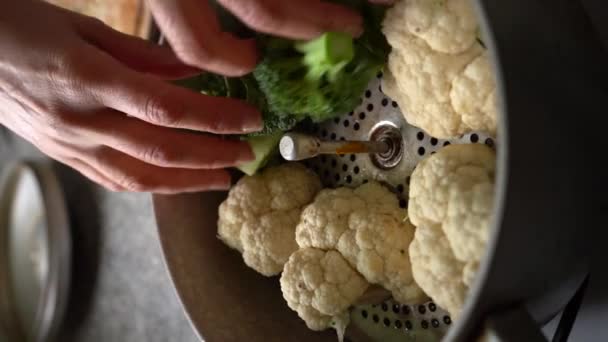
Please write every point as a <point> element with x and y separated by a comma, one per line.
<point>551,74</point>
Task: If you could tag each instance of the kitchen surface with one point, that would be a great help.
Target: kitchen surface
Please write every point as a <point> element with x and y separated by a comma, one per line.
<point>121,290</point>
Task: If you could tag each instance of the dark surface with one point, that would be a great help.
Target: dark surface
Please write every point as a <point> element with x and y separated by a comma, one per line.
<point>121,290</point>
<point>552,83</point>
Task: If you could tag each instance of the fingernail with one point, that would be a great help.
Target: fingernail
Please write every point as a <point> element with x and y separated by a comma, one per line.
<point>254,126</point>
<point>221,186</point>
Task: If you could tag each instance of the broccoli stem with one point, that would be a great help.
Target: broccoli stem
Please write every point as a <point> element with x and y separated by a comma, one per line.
<point>327,54</point>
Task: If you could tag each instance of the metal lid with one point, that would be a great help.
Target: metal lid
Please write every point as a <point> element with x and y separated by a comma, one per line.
<point>35,251</point>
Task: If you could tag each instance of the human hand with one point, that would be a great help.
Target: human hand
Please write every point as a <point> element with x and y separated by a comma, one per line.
<point>193,30</point>
<point>96,100</point>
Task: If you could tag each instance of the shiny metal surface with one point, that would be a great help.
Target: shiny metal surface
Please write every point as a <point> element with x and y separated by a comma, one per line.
<point>368,122</point>
<point>298,146</point>
<point>36,259</point>
<point>120,289</point>
<point>28,249</point>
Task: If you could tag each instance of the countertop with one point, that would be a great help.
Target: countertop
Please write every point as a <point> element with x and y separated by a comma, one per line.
<point>121,290</point>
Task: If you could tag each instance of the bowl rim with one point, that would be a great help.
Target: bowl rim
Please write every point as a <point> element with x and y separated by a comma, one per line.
<point>55,291</point>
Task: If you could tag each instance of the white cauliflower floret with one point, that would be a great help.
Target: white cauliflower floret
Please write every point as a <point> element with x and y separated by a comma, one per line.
<point>434,178</point>
<point>420,80</point>
<point>268,242</point>
<point>448,26</point>
<point>473,95</point>
<point>320,286</point>
<point>452,199</point>
<point>377,246</point>
<point>437,270</point>
<point>325,220</point>
<point>469,272</point>
<point>369,228</point>
<point>430,73</point>
<point>261,212</point>
<point>469,214</point>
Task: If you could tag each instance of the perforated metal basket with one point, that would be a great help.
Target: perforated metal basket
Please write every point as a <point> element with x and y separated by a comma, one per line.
<point>379,117</point>
<point>378,114</point>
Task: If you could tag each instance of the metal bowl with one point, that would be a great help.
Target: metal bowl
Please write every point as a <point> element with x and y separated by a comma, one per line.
<point>35,252</point>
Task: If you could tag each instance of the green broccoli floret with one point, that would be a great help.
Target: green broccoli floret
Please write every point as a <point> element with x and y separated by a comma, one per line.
<point>301,81</point>
<point>319,79</point>
<point>326,77</point>
<point>273,122</point>
<point>327,55</point>
<point>264,148</point>
<point>316,80</point>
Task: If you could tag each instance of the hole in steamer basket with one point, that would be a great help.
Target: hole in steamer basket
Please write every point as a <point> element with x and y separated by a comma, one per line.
<point>391,135</point>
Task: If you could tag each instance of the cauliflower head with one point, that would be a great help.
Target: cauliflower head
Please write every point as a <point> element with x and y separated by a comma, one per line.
<point>269,241</point>
<point>451,200</point>
<point>261,212</point>
<point>447,26</point>
<point>437,270</point>
<point>367,226</point>
<point>436,177</point>
<point>469,215</point>
<point>473,95</point>
<point>437,71</point>
<point>325,220</point>
<point>320,286</point>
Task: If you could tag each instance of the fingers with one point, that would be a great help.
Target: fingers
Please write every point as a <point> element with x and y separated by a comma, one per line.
<point>170,106</point>
<point>193,30</point>
<point>163,104</point>
<point>136,176</point>
<point>65,154</point>
<point>166,147</point>
<point>296,19</point>
<point>136,53</point>
<point>90,173</point>
<point>117,171</point>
